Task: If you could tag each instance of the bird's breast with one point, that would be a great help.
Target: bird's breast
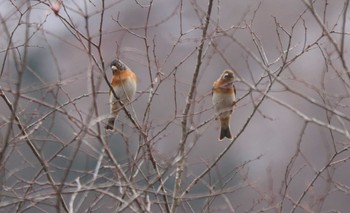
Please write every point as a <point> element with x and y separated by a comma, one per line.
<point>124,85</point>
<point>223,101</point>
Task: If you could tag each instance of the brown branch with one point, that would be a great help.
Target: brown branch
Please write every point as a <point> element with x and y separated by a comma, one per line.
<point>181,153</point>
<point>33,148</point>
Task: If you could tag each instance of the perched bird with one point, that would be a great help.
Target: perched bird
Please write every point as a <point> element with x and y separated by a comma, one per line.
<point>224,100</point>
<point>124,85</point>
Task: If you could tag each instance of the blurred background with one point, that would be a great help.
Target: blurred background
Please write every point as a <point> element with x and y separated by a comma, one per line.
<point>291,120</point>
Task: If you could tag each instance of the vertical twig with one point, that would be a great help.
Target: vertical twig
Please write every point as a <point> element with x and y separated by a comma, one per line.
<point>181,153</point>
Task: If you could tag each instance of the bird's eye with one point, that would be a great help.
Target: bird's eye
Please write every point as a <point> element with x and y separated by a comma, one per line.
<point>227,75</point>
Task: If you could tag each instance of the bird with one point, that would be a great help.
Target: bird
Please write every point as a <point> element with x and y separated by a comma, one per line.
<point>124,84</point>
<point>224,100</point>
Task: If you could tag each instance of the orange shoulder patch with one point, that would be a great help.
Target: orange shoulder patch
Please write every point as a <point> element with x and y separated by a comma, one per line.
<point>121,76</point>
<point>218,89</point>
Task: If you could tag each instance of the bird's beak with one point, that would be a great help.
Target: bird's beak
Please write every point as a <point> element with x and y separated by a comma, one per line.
<point>114,69</point>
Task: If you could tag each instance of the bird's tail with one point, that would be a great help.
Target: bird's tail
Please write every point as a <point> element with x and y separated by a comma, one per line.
<point>225,128</point>
<point>115,109</point>
<point>110,124</point>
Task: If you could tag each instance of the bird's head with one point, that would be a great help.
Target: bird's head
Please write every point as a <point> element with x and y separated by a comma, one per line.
<point>228,76</point>
<point>117,65</point>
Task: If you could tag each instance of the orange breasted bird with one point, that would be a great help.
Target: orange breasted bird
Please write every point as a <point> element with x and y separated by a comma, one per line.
<point>124,84</point>
<point>224,100</point>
